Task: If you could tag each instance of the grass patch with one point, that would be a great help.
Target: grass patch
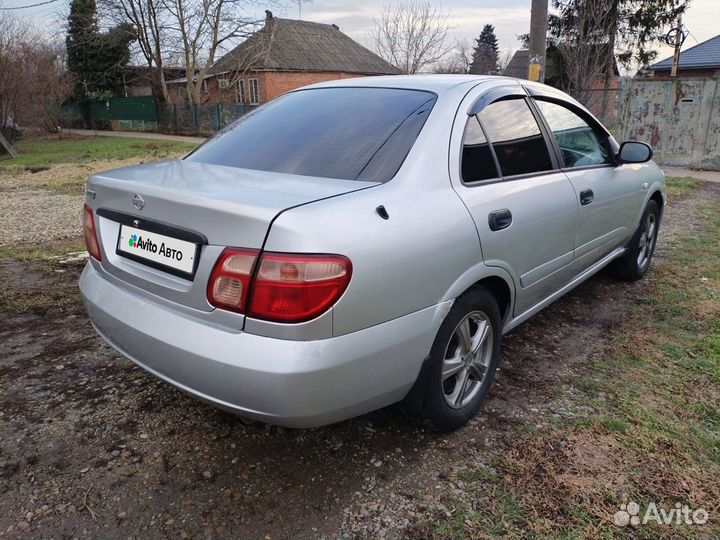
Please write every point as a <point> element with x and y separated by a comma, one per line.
<point>36,280</point>
<point>678,186</point>
<point>46,152</point>
<point>656,439</point>
<point>63,166</point>
<point>39,253</point>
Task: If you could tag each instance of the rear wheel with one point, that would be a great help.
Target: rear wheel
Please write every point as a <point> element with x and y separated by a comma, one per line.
<point>634,264</point>
<point>461,369</point>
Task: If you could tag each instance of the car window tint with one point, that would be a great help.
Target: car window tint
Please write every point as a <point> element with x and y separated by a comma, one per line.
<point>516,137</point>
<point>386,161</point>
<point>578,142</point>
<point>477,160</point>
<point>328,132</point>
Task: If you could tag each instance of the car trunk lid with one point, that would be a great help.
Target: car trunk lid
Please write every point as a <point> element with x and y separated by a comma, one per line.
<point>221,206</point>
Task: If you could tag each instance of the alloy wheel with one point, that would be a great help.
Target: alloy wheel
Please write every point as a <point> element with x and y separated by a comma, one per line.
<point>647,240</point>
<point>467,359</point>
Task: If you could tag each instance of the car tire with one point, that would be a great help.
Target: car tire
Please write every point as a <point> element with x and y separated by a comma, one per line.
<point>634,263</point>
<point>460,370</point>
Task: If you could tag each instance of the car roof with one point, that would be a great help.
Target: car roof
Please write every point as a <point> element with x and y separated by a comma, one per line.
<point>440,83</point>
<point>432,83</point>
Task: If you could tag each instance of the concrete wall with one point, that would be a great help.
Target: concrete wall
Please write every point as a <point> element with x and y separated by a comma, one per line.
<point>679,117</point>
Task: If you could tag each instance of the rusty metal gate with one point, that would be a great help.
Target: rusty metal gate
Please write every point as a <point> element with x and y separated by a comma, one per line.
<point>680,118</point>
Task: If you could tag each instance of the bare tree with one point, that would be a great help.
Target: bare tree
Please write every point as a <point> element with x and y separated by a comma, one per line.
<point>186,32</point>
<point>587,47</point>
<point>457,60</point>
<point>12,32</point>
<point>243,59</point>
<point>504,58</point>
<point>202,27</point>
<point>47,85</point>
<point>411,35</point>
<point>299,5</point>
<point>34,82</point>
<point>150,24</point>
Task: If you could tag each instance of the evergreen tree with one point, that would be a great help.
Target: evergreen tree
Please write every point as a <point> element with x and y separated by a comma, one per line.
<point>632,27</point>
<point>485,52</point>
<point>96,60</point>
<point>81,43</point>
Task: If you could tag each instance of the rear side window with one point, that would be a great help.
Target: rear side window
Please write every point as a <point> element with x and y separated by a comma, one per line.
<point>346,133</point>
<point>516,137</point>
<point>477,160</point>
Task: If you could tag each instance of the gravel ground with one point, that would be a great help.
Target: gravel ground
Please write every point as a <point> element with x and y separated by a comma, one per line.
<point>46,205</point>
<point>93,447</point>
<point>38,216</point>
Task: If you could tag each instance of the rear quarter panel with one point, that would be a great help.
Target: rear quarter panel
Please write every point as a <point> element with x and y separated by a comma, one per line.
<point>400,265</point>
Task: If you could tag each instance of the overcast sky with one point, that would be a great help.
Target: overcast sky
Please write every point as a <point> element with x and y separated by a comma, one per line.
<point>467,17</point>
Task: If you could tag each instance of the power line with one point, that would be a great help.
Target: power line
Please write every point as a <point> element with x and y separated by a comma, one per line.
<point>26,7</point>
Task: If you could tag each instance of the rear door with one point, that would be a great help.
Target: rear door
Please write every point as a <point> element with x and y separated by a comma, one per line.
<point>608,196</point>
<point>524,207</point>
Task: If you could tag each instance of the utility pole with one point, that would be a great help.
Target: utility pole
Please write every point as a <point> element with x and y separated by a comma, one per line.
<point>678,44</point>
<point>538,40</point>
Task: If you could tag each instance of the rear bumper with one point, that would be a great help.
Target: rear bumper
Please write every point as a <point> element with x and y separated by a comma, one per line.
<point>290,383</point>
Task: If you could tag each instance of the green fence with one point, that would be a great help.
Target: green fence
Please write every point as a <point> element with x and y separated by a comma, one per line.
<point>144,114</point>
<point>198,120</point>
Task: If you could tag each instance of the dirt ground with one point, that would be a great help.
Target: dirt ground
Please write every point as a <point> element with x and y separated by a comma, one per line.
<point>92,446</point>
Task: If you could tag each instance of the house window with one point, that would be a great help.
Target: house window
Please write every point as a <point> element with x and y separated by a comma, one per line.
<point>224,83</point>
<point>254,91</point>
<point>241,91</point>
<point>204,85</point>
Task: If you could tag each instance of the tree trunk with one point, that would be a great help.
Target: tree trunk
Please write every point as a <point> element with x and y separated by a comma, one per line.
<point>8,147</point>
<point>610,66</point>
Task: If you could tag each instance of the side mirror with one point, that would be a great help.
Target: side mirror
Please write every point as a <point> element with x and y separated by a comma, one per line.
<point>635,152</point>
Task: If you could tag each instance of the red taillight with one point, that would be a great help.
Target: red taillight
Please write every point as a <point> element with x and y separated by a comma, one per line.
<point>296,288</point>
<point>230,280</point>
<point>90,233</point>
<point>286,288</point>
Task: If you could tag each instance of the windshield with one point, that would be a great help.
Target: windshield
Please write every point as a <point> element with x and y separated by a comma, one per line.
<point>346,133</point>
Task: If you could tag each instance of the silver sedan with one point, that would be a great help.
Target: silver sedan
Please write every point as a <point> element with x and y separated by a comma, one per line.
<point>359,243</point>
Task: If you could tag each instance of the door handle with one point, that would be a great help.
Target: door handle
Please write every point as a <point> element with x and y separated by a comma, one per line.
<point>586,197</point>
<point>499,219</point>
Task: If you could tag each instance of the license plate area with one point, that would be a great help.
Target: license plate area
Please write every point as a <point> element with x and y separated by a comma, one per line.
<point>157,245</point>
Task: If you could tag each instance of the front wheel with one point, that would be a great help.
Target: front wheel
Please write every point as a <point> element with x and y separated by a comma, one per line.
<point>462,364</point>
<point>634,264</point>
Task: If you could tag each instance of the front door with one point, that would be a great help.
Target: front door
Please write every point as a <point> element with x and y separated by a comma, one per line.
<point>608,196</point>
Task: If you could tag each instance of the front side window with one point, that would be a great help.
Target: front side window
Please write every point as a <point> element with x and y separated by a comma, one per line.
<point>477,160</point>
<point>254,91</point>
<point>346,133</point>
<point>578,142</point>
<point>516,137</point>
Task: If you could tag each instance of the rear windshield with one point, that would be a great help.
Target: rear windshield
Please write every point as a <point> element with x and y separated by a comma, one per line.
<point>347,133</point>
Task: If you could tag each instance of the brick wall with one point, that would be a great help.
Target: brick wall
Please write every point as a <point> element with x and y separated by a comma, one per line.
<point>270,85</point>
<point>274,84</point>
